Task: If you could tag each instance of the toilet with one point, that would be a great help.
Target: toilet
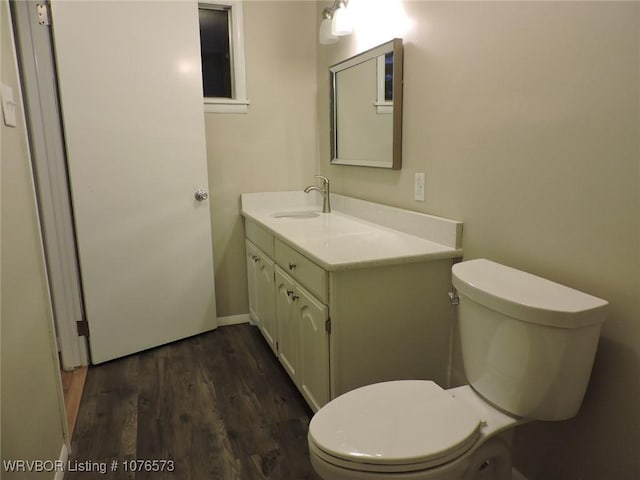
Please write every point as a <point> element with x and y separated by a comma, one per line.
<point>527,345</point>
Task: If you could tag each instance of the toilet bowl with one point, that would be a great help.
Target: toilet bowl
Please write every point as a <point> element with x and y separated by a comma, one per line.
<point>410,429</point>
<point>527,345</point>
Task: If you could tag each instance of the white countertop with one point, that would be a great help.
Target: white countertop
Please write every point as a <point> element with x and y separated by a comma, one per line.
<point>346,238</point>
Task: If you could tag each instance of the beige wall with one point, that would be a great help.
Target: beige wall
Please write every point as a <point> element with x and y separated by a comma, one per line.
<point>525,118</point>
<point>31,414</point>
<point>273,146</point>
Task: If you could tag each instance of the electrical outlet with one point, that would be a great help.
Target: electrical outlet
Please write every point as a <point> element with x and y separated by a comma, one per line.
<point>419,187</point>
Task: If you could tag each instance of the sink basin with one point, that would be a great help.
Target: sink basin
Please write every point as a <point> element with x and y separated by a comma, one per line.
<point>296,214</point>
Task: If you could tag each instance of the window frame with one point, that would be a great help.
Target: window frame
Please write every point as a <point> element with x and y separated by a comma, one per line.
<point>239,102</point>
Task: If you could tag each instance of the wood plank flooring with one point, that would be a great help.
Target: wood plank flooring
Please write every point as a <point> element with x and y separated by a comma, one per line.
<point>219,405</point>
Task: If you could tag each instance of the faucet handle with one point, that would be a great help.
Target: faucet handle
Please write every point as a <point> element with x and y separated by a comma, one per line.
<point>324,179</point>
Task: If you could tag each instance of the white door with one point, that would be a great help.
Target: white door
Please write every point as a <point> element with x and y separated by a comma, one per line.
<point>131,95</point>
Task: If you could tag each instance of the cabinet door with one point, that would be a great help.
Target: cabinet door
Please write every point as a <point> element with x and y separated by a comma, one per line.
<point>314,349</point>
<point>288,327</point>
<point>252,256</point>
<point>265,298</point>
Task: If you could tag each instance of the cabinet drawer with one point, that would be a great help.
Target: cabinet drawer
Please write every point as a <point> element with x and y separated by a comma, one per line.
<point>310,275</point>
<point>261,237</point>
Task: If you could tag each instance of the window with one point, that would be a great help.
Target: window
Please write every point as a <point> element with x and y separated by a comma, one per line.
<point>384,78</point>
<point>388,77</point>
<point>222,51</point>
<point>216,52</point>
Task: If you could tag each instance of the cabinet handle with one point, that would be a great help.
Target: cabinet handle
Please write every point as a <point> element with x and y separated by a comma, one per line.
<point>292,266</point>
<point>289,293</point>
<point>256,259</point>
<point>294,297</point>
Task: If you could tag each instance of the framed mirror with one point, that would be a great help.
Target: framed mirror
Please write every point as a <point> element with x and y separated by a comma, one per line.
<point>366,108</point>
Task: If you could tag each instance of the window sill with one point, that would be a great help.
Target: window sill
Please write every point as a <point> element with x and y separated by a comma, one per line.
<point>224,105</point>
<point>384,107</point>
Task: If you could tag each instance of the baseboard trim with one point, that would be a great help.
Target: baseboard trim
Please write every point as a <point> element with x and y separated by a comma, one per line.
<point>64,457</point>
<point>233,320</point>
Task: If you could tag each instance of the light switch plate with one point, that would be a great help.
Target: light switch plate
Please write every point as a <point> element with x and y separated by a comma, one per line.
<point>8,105</point>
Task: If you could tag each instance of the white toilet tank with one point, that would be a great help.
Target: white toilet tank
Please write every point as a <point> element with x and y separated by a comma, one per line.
<point>528,344</point>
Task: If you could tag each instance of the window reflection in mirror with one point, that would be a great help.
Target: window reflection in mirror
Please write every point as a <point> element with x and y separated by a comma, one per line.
<point>366,108</point>
<point>388,76</point>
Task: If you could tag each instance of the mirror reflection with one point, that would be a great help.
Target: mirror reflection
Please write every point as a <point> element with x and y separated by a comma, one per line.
<point>366,106</point>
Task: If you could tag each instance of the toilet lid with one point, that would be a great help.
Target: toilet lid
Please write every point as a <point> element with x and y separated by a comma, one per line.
<point>400,424</point>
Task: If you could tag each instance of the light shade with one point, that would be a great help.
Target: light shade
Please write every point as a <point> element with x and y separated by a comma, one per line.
<point>325,35</point>
<point>341,24</point>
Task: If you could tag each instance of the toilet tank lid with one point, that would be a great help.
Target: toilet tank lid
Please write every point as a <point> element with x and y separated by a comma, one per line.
<point>525,296</point>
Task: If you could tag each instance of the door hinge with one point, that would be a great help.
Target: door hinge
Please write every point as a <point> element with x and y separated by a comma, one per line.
<point>43,14</point>
<point>83,328</point>
<point>327,325</point>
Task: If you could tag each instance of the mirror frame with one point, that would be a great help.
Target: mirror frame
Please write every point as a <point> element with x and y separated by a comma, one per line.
<point>394,46</point>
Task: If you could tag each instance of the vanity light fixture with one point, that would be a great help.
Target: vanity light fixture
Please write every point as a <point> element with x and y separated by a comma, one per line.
<point>326,37</point>
<point>341,24</point>
<point>336,22</point>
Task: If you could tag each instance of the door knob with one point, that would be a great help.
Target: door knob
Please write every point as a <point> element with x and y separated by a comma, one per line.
<point>201,195</point>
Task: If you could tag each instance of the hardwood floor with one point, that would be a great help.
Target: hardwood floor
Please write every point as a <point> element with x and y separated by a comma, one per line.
<point>218,405</point>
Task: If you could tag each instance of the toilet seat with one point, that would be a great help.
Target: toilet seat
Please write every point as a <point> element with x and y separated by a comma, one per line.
<point>397,426</point>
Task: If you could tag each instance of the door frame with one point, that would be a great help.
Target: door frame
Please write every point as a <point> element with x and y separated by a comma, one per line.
<point>46,139</point>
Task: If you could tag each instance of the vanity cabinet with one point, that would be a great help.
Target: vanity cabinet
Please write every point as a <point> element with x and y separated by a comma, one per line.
<point>303,340</point>
<point>293,319</point>
<point>339,329</point>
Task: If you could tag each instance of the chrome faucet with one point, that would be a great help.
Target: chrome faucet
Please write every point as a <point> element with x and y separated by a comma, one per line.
<point>325,191</point>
